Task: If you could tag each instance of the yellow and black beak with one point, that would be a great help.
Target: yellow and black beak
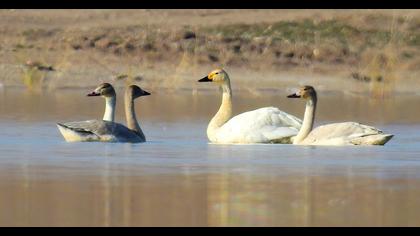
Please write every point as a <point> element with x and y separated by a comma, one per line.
<point>294,96</point>
<point>205,79</point>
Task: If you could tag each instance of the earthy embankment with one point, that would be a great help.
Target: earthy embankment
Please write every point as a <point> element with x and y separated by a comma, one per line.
<point>358,50</point>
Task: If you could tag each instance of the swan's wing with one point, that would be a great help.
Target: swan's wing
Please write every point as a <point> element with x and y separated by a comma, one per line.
<point>102,130</point>
<point>263,125</point>
<point>342,133</point>
<point>97,127</point>
<point>281,117</point>
<point>78,131</point>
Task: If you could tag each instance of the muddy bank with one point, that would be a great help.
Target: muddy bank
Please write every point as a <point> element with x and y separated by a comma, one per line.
<point>84,47</point>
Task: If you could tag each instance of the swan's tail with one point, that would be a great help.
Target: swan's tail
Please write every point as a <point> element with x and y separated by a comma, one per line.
<point>66,132</point>
<point>62,128</point>
<point>375,139</point>
<point>72,135</point>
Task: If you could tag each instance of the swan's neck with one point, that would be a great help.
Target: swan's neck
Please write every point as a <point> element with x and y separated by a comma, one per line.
<point>308,120</point>
<point>109,108</point>
<point>223,114</point>
<point>130,116</point>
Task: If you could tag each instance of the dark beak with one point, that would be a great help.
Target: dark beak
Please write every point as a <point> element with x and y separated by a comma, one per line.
<point>145,93</point>
<point>293,96</point>
<point>93,94</point>
<point>205,79</point>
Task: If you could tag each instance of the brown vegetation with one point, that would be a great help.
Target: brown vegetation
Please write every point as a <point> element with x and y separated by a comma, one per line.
<point>368,46</point>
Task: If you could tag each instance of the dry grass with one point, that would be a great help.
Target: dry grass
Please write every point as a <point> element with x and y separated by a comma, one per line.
<point>169,51</point>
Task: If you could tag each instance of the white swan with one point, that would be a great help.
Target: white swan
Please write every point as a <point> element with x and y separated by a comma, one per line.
<point>105,130</point>
<point>264,125</point>
<point>346,133</point>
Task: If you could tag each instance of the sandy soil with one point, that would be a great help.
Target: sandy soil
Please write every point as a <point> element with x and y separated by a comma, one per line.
<point>359,50</point>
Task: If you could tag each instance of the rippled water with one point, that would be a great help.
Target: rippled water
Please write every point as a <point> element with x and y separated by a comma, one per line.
<point>177,178</point>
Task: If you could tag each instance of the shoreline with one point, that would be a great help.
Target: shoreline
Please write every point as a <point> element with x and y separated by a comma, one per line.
<point>356,50</point>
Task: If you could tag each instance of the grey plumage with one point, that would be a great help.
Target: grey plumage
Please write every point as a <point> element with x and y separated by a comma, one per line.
<point>107,130</point>
<point>100,130</point>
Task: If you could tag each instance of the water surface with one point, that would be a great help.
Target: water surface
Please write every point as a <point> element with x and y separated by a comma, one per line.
<point>178,179</point>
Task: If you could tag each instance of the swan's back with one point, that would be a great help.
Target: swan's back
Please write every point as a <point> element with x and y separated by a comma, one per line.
<point>97,130</point>
<point>263,125</point>
<point>346,133</point>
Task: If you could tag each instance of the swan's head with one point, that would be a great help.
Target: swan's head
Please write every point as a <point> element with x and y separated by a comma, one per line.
<point>135,91</point>
<point>217,76</point>
<point>104,90</point>
<point>304,92</point>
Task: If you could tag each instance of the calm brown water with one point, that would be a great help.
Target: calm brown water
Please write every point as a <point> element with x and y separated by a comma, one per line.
<point>178,179</point>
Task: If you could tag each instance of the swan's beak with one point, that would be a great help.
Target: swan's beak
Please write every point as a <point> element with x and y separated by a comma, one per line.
<point>145,93</point>
<point>205,79</point>
<point>93,94</point>
<point>294,96</point>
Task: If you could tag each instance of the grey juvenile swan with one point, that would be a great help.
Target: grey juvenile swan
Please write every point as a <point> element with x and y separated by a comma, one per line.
<point>345,133</point>
<point>106,130</point>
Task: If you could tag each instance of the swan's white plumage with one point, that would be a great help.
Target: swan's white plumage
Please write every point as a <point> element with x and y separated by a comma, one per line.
<point>346,133</point>
<point>263,125</point>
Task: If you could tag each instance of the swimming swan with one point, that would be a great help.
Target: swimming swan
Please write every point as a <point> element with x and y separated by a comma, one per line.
<point>108,131</point>
<point>106,91</point>
<point>264,125</point>
<point>346,133</point>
